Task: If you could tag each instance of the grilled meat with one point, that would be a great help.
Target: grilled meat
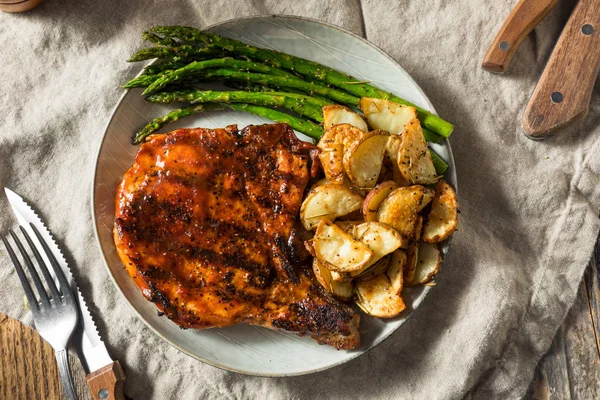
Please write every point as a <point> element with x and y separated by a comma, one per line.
<point>206,226</point>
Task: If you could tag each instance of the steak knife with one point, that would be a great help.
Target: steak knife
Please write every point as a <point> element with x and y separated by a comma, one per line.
<point>105,377</point>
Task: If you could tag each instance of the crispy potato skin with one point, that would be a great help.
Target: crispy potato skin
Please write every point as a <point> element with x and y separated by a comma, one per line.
<point>400,210</point>
<point>336,115</point>
<point>333,145</point>
<point>442,220</point>
<point>375,197</point>
<point>206,226</point>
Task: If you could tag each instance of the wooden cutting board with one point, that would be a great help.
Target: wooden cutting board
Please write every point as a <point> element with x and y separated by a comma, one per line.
<point>27,365</point>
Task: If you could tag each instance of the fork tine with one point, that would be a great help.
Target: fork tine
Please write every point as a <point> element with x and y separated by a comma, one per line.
<point>32,271</point>
<point>33,303</point>
<point>62,279</point>
<point>42,264</point>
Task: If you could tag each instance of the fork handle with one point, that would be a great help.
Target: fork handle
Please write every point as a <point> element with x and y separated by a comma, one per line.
<point>66,380</point>
<point>107,382</point>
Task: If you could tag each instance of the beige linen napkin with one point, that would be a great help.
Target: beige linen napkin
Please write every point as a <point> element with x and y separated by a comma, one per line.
<point>529,209</point>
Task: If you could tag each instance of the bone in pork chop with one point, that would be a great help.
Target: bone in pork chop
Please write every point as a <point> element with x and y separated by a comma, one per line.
<point>206,226</point>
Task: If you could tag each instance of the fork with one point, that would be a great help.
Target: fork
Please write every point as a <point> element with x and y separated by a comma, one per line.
<point>55,314</point>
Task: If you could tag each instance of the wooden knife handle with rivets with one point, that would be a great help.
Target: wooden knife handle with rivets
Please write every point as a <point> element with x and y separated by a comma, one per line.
<point>562,95</point>
<point>521,20</point>
<point>107,383</point>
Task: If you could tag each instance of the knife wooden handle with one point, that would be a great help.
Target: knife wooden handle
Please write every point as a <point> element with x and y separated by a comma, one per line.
<point>107,382</point>
<point>521,20</point>
<point>562,95</point>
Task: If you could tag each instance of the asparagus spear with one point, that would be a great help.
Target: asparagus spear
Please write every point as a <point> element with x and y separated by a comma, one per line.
<point>146,80</point>
<point>263,88</point>
<point>173,116</point>
<point>141,81</point>
<point>195,95</point>
<point>285,82</point>
<point>308,128</point>
<point>183,51</point>
<point>431,136</point>
<point>304,67</point>
<point>153,69</point>
<point>439,164</point>
<point>196,67</point>
<point>162,41</point>
<point>302,105</point>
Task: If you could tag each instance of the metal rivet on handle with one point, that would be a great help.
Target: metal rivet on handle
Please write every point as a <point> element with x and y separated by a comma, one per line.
<point>557,97</point>
<point>587,29</point>
<point>504,45</point>
<point>103,394</point>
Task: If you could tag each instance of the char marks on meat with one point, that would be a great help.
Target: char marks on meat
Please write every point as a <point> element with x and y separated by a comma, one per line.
<point>206,226</point>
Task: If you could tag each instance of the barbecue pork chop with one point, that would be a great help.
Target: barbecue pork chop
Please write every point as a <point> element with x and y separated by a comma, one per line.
<point>206,226</point>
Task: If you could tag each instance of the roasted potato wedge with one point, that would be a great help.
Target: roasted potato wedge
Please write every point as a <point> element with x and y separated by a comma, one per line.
<point>443,217</point>
<point>335,114</point>
<point>339,250</point>
<point>395,272</point>
<point>380,267</point>
<point>377,298</point>
<point>380,238</point>
<point>333,144</point>
<point>348,226</point>
<point>399,210</point>
<point>321,182</point>
<point>428,195</point>
<point>412,254</point>
<point>343,291</point>
<point>414,159</point>
<point>375,197</point>
<point>341,276</point>
<point>317,266</point>
<point>387,115</point>
<point>428,263</point>
<point>345,134</point>
<point>328,201</point>
<point>391,150</point>
<point>332,162</point>
<point>309,245</point>
<point>340,290</point>
<point>363,159</point>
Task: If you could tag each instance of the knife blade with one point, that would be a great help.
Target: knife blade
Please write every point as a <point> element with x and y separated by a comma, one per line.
<point>96,361</point>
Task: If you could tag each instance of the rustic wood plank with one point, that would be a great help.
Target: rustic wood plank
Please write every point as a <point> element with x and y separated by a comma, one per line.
<point>571,368</point>
<point>551,380</point>
<point>593,294</point>
<point>29,368</point>
<point>28,365</point>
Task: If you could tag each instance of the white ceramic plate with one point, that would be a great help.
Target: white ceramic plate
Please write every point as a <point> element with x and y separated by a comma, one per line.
<point>242,348</point>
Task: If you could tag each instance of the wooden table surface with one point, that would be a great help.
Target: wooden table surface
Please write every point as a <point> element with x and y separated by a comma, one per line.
<point>570,369</point>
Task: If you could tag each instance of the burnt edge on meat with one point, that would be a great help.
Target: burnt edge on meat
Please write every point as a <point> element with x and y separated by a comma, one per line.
<point>206,226</point>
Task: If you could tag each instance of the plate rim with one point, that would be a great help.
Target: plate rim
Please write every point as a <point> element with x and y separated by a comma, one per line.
<point>122,293</point>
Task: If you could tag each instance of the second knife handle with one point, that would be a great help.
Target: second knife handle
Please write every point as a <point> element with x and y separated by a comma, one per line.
<point>107,383</point>
<point>521,20</point>
<point>563,93</point>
